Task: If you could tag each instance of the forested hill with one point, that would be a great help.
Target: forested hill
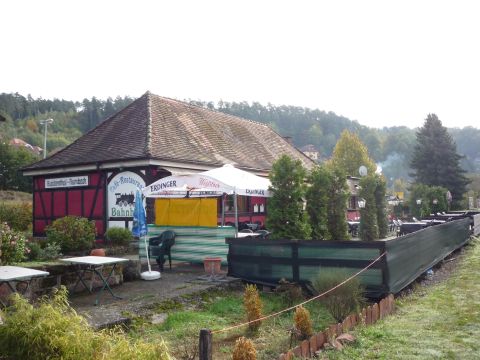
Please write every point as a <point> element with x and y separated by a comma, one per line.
<point>391,147</point>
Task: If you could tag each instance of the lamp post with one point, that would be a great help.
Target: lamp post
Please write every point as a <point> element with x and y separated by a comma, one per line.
<point>45,123</point>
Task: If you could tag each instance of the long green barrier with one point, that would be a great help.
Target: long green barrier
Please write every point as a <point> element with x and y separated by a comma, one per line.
<point>411,255</point>
<point>268,261</point>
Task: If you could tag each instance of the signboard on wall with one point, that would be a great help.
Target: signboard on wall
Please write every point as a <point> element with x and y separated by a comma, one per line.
<point>121,194</point>
<point>66,182</point>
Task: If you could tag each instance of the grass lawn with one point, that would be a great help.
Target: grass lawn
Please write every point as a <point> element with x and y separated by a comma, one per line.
<point>217,310</point>
<point>439,322</point>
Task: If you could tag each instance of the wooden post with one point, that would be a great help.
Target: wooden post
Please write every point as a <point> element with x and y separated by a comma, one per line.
<point>205,345</point>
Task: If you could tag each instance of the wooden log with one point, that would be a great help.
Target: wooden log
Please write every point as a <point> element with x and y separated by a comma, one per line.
<point>205,345</point>
<point>368,318</point>
<point>321,339</point>
<point>392,303</point>
<point>354,320</point>
<point>363,319</point>
<point>381,309</point>
<point>305,346</point>
<point>339,330</point>
<point>332,331</point>
<point>313,344</point>
<point>375,313</point>
<point>297,351</point>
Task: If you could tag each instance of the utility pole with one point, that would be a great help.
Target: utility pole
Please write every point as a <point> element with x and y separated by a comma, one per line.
<point>45,123</point>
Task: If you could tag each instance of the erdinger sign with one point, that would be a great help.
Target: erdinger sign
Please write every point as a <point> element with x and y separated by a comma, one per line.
<point>121,194</point>
<point>186,185</point>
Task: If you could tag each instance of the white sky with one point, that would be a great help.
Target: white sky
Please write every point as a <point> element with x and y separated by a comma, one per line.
<point>382,63</point>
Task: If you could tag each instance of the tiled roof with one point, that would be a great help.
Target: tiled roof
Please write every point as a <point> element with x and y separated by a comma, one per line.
<point>158,128</point>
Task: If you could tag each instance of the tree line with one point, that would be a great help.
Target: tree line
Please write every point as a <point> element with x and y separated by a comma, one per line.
<point>391,147</point>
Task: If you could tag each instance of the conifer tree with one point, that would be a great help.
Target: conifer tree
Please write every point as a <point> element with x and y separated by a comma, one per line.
<point>368,215</point>
<point>286,217</point>
<point>337,205</point>
<point>435,161</point>
<point>317,196</point>
<point>380,203</point>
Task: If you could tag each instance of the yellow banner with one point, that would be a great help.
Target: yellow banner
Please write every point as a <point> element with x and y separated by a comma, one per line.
<point>186,212</point>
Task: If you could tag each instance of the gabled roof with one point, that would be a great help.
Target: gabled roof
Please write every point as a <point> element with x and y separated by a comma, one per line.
<point>158,128</point>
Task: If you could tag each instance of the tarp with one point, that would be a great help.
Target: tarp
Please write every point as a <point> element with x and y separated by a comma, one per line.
<point>186,212</point>
<point>243,182</point>
<point>224,180</point>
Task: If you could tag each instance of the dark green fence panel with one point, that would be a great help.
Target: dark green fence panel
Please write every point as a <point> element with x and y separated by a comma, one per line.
<point>268,261</point>
<point>411,255</point>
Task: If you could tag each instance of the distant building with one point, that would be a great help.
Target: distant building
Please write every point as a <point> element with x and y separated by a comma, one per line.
<point>311,152</point>
<point>353,210</point>
<point>19,143</point>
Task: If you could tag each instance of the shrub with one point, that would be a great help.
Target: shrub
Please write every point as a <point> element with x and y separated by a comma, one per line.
<point>244,350</point>
<point>12,245</point>
<point>303,323</point>
<point>290,292</point>
<point>17,215</point>
<point>72,233</point>
<point>52,330</point>
<point>345,299</point>
<point>118,236</point>
<point>253,306</point>
<point>35,250</point>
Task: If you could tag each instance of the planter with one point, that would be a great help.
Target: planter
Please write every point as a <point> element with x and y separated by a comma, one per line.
<point>212,265</point>
<point>97,252</point>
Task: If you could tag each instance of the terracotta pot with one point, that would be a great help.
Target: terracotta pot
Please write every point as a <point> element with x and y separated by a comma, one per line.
<point>97,252</point>
<point>212,265</point>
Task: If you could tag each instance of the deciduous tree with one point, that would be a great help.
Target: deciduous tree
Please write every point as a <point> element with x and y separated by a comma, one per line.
<point>350,153</point>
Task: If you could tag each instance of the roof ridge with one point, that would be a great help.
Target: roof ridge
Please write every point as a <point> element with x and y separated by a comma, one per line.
<point>148,145</point>
<point>213,110</point>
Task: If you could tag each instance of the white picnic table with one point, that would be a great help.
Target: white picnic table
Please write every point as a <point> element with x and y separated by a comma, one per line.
<point>14,274</point>
<point>94,264</point>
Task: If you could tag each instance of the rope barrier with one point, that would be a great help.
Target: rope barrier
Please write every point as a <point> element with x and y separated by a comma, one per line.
<point>303,303</point>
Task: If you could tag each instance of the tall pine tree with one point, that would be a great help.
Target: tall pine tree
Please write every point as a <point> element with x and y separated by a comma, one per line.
<point>286,217</point>
<point>435,160</point>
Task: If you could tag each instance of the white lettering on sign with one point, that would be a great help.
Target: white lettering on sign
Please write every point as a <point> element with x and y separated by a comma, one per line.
<point>73,181</point>
<point>255,191</point>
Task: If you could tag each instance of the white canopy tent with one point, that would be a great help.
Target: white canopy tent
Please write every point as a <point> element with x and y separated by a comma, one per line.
<point>216,182</point>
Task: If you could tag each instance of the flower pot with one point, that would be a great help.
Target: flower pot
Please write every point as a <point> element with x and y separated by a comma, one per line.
<point>212,265</point>
<point>97,252</point>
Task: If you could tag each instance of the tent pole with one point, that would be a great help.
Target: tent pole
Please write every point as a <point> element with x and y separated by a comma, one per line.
<point>236,213</point>
<point>223,209</point>
<point>148,258</point>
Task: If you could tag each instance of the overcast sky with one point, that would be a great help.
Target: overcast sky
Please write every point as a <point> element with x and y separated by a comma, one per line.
<point>382,63</point>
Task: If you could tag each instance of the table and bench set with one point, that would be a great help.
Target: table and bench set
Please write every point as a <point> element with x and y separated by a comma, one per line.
<point>159,248</point>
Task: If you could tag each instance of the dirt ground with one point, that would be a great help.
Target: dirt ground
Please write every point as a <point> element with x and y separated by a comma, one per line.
<point>139,297</point>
